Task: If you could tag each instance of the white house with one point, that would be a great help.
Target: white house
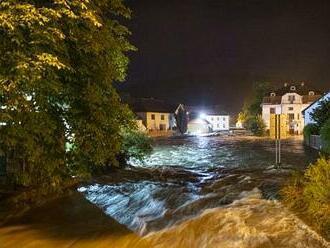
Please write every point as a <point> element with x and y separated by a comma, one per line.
<point>207,119</point>
<point>310,109</point>
<point>291,100</point>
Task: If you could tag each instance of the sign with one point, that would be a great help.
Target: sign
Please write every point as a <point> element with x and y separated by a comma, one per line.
<point>278,126</point>
<point>278,131</point>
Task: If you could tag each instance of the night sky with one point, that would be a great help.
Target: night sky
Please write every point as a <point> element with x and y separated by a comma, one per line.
<point>211,51</point>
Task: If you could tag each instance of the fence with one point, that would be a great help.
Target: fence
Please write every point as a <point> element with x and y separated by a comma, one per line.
<point>314,141</point>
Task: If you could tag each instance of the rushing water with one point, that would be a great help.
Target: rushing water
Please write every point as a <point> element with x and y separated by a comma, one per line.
<point>185,176</point>
<point>190,192</point>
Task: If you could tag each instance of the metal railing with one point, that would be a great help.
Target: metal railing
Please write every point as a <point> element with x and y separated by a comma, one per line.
<point>314,141</point>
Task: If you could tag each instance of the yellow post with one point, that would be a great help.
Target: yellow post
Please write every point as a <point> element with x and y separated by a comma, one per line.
<point>282,129</point>
<point>283,126</point>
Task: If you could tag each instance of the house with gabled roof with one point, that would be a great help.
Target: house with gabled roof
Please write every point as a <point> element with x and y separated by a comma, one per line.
<point>204,119</point>
<point>155,114</point>
<point>310,109</point>
<point>291,100</point>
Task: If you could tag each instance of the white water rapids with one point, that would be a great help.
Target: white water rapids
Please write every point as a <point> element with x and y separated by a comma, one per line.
<point>189,193</point>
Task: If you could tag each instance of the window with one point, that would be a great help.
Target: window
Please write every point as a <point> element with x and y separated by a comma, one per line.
<point>162,127</point>
<point>218,118</point>
<point>224,126</point>
<point>224,118</point>
<point>298,116</point>
<point>291,117</point>
<point>162,117</point>
<point>272,94</point>
<point>211,118</point>
<point>293,88</point>
<point>152,116</point>
<point>292,98</point>
<point>272,110</point>
<point>290,108</point>
<point>311,93</point>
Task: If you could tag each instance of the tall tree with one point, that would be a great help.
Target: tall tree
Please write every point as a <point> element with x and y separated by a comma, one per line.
<point>322,113</point>
<point>58,61</point>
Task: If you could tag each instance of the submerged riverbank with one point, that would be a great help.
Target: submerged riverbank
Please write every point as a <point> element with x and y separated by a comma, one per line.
<point>247,223</point>
<point>190,192</point>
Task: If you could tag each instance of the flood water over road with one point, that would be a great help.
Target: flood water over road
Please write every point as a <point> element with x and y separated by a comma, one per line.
<point>183,177</point>
<point>204,192</point>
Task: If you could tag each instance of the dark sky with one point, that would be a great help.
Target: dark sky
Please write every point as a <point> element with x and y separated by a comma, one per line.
<point>211,51</point>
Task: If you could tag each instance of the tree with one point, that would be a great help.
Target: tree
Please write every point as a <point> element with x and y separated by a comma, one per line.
<point>253,104</point>
<point>322,113</point>
<point>256,125</point>
<point>181,118</point>
<point>325,136</point>
<point>251,111</point>
<point>59,59</point>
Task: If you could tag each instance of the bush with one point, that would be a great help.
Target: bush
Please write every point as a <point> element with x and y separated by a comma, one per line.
<point>311,129</point>
<point>136,145</point>
<point>256,125</point>
<point>325,137</point>
<point>309,195</point>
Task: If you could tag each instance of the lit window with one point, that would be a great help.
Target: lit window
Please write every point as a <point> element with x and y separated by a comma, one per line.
<point>152,117</point>
<point>311,93</point>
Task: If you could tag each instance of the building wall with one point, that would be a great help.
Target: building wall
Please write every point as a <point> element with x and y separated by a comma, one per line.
<point>154,121</point>
<point>198,126</point>
<point>289,107</point>
<point>218,122</point>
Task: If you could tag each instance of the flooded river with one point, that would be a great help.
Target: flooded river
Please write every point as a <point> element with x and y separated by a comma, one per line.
<point>190,192</point>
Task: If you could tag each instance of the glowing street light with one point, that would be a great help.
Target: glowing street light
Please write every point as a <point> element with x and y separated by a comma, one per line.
<point>202,115</point>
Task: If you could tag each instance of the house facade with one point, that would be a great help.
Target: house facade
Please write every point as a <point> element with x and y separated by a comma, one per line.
<point>207,119</point>
<point>290,100</point>
<point>219,122</point>
<point>152,114</point>
<point>310,109</point>
<point>156,120</point>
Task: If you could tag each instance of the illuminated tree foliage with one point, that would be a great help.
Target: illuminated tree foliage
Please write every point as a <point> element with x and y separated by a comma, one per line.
<point>251,111</point>
<point>58,61</point>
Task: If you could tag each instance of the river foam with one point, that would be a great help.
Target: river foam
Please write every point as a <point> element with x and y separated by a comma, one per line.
<point>250,222</point>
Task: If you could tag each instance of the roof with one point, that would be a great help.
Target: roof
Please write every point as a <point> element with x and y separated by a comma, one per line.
<point>326,95</point>
<point>300,89</point>
<point>151,105</point>
<point>208,110</point>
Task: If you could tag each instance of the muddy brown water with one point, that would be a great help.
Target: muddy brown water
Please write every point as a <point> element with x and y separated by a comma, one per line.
<point>191,192</point>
